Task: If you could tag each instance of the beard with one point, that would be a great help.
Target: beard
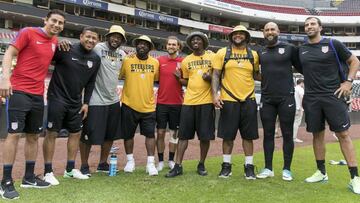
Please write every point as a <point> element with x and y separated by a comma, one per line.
<point>271,41</point>
<point>241,43</point>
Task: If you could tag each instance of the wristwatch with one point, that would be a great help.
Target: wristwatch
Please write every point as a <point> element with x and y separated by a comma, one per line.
<point>350,79</point>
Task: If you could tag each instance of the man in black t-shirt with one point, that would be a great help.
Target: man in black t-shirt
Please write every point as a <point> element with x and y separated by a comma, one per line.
<point>325,90</point>
<point>75,73</point>
<point>277,97</point>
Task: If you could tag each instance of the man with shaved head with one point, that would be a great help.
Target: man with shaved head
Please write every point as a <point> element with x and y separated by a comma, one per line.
<point>277,97</point>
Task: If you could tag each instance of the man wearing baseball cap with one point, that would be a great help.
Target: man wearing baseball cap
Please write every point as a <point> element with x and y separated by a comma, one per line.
<point>197,113</point>
<point>235,68</point>
<point>139,71</point>
<point>102,126</point>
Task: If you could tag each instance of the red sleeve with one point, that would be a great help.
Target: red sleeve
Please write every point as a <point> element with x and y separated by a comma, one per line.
<point>21,40</point>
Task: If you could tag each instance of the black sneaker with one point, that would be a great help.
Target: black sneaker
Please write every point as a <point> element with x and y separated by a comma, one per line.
<point>7,190</point>
<point>104,168</point>
<point>85,170</point>
<point>34,182</point>
<point>201,169</point>
<point>176,171</point>
<point>249,171</point>
<point>225,170</point>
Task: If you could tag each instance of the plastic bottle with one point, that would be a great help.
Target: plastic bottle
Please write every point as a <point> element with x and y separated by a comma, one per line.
<point>113,164</point>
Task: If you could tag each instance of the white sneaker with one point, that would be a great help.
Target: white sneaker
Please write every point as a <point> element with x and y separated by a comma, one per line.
<point>130,167</point>
<point>265,173</point>
<point>50,178</point>
<point>151,169</point>
<point>75,173</point>
<point>287,175</point>
<point>354,185</point>
<point>317,177</point>
<point>298,140</point>
<point>171,164</point>
<point>160,167</point>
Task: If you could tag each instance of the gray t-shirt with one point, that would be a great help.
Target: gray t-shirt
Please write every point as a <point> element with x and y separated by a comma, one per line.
<point>105,91</point>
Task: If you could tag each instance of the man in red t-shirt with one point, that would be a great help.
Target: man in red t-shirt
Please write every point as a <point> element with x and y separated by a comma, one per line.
<point>34,48</point>
<point>169,100</point>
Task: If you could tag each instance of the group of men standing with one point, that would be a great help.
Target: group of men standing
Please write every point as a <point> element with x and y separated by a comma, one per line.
<point>83,98</point>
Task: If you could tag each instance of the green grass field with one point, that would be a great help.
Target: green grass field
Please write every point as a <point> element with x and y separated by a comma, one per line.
<point>190,187</point>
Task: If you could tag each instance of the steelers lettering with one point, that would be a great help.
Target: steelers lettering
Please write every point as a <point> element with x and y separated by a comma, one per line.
<point>110,55</point>
<point>142,68</point>
<point>198,64</point>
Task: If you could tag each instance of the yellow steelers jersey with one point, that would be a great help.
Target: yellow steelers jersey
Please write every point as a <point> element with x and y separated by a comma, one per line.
<point>138,90</point>
<point>238,78</point>
<point>198,90</point>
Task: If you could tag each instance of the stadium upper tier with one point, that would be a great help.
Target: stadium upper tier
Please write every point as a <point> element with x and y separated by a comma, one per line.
<point>345,8</point>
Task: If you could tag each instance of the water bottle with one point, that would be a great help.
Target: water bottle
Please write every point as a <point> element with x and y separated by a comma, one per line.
<point>113,164</point>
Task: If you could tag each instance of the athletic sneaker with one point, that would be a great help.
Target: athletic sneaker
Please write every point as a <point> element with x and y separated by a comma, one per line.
<point>50,178</point>
<point>201,169</point>
<point>176,171</point>
<point>130,167</point>
<point>160,166</point>
<point>151,169</point>
<point>296,140</point>
<point>75,173</point>
<point>171,164</point>
<point>34,182</point>
<point>7,190</point>
<point>85,170</point>
<point>317,177</point>
<point>287,175</point>
<point>354,185</point>
<point>225,170</point>
<point>249,171</point>
<point>265,173</point>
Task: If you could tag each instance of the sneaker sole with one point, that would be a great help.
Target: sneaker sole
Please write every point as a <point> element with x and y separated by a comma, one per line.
<point>264,177</point>
<point>321,181</point>
<point>34,186</point>
<point>352,189</point>
<point>287,179</point>
<point>15,198</point>
<point>223,176</point>
<point>250,178</point>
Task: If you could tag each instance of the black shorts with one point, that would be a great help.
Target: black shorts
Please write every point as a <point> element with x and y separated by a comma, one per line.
<point>102,124</point>
<point>25,113</point>
<point>63,116</point>
<point>331,108</point>
<point>236,116</point>
<point>131,119</point>
<point>168,114</point>
<point>271,107</point>
<point>199,119</point>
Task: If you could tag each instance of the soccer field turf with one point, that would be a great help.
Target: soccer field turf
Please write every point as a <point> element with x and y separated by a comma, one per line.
<point>190,187</point>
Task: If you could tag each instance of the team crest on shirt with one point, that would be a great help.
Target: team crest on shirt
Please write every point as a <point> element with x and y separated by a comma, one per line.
<point>281,50</point>
<point>14,125</point>
<point>53,46</point>
<point>325,49</point>
<point>90,64</point>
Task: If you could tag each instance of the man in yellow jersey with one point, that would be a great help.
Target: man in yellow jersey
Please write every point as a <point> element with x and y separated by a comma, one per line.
<point>139,71</point>
<point>197,112</point>
<point>235,68</point>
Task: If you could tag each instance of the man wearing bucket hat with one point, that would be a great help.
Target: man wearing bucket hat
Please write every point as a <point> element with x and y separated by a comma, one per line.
<point>139,71</point>
<point>197,113</point>
<point>235,67</point>
<point>277,97</point>
<point>102,125</point>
